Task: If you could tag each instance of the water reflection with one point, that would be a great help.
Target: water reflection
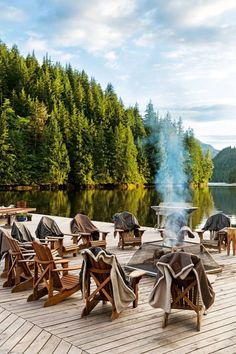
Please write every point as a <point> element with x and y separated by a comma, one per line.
<point>103,204</point>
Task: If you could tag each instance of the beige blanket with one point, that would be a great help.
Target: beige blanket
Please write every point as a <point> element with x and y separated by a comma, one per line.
<point>179,265</point>
<point>122,293</point>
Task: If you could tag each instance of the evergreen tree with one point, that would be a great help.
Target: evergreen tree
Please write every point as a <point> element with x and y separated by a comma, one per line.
<point>7,156</point>
<point>55,166</point>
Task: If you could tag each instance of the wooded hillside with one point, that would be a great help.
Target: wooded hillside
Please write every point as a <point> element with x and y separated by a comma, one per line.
<point>59,126</point>
<point>225,166</point>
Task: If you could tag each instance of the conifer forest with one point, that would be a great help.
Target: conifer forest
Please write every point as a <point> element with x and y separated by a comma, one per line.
<point>59,127</point>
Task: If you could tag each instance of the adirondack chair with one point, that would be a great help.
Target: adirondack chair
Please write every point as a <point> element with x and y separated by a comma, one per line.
<point>19,267</point>
<point>58,284</point>
<point>216,225</point>
<point>48,230</point>
<point>128,229</point>
<point>181,284</point>
<point>83,229</point>
<point>103,269</point>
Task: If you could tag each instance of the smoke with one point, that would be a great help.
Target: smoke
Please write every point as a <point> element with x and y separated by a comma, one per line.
<point>171,179</point>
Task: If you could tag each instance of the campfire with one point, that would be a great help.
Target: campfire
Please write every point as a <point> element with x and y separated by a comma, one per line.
<point>176,217</point>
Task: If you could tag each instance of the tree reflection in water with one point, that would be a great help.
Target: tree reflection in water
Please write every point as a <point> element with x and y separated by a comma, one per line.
<point>101,205</point>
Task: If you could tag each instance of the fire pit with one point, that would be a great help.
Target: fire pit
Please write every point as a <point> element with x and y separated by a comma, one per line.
<point>148,254</point>
<point>165,209</point>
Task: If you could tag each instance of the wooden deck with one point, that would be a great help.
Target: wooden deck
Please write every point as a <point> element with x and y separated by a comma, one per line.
<point>30,328</point>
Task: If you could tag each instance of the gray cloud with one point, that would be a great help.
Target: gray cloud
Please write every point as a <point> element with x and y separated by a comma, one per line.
<point>204,113</point>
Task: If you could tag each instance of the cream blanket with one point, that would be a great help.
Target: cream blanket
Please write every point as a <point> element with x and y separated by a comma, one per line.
<point>122,292</point>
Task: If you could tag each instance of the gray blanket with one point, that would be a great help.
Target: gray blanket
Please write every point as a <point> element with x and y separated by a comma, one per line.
<point>21,233</point>
<point>47,227</point>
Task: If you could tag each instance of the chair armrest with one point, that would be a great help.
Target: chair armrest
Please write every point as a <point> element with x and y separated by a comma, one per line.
<point>137,274</point>
<point>66,269</point>
<point>29,254</point>
<point>60,261</point>
<point>54,238</point>
<point>85,233</point>
<point>25,260</point>
<point>68,234</point>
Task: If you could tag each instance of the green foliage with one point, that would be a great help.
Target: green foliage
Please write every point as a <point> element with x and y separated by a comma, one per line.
<point>225,166</point>
<point>198,166</point>
<point>7,156</point>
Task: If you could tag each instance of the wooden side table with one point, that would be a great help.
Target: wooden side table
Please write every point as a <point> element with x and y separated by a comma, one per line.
<point>231,237</point>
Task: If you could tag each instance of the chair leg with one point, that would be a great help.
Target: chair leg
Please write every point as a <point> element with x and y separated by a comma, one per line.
<point>114,314</point>
<point>165,322</point>
<point>37,294</point>
<point>89,306</point>
<point>199,320</point>
<point>25,285</point>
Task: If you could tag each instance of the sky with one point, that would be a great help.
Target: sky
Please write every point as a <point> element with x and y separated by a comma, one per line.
<point>180,54</point>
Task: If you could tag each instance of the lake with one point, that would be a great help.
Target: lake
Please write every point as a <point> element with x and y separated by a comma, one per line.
<point>101,205</point>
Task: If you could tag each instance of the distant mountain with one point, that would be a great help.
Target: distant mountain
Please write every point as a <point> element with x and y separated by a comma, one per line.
<point>206,147</point>
<point>225,166</point>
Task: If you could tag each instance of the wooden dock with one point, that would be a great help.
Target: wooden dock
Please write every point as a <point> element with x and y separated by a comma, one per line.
<point>30,328</point>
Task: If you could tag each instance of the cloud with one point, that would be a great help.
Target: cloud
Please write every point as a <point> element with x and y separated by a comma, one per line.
<point>96,26</point>
<point>205,113</point>
<point>11,13</point>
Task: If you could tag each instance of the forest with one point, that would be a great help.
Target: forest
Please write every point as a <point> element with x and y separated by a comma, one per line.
<point>58,127</point>
<point>225,166</point>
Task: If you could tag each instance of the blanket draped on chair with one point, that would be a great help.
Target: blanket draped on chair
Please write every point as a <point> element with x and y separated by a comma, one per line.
<point>217,222</point>
<point>21,233</point>
<point>47,227</point>
<point>122,290</point>
<point>125,221</point>
<point>81,223</point>
<point>174,265</point>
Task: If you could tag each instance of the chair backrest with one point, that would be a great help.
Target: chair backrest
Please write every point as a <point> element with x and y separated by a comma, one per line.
<point>101,271</point>
<point>125,221</point>
<point>45,259</point>
<point>47,227</point>
<point>15,250</point>
<point>82,223</point>
<point>4,245</point>
<point>95,257</point>
<point>186,269</point>
<point>21,233</point>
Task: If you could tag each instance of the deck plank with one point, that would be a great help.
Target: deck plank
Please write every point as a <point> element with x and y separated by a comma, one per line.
<point>18,336</point>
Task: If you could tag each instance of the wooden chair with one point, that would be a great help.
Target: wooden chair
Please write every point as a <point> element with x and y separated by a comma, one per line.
<point>19,267</point>
<point>181,283</point>
<point>129,238</point>
<point>48,230</point>
<point>185,296</point>
<point>99,272</point>
<point>216,225</point>
<point>128,229</point>
<point>58,284</point>
<point>82,229</point>
<point>218,239</point>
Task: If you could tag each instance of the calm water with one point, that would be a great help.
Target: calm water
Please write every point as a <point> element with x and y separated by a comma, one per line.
<point>101,205</point>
